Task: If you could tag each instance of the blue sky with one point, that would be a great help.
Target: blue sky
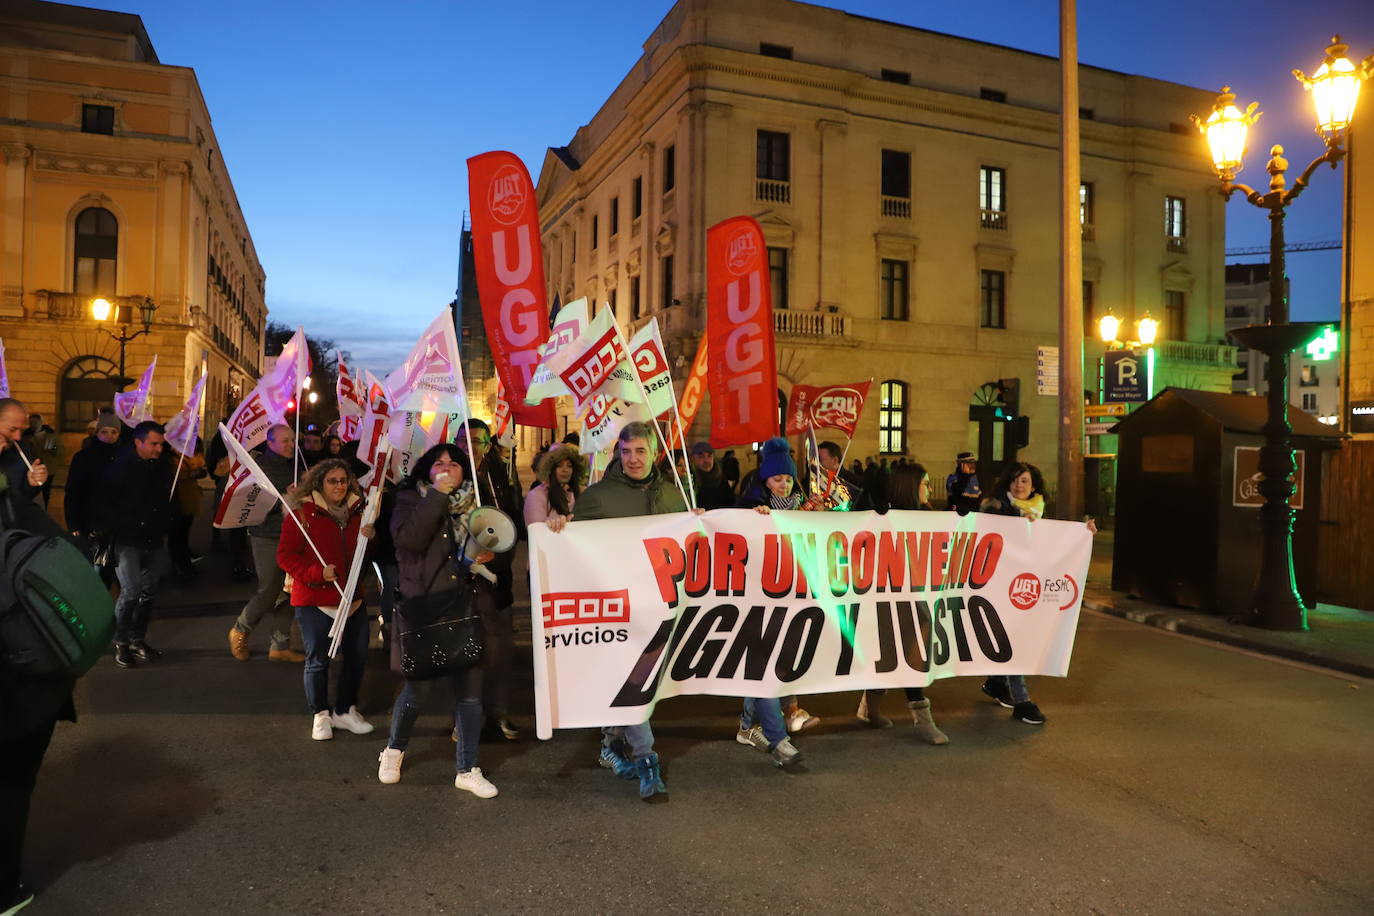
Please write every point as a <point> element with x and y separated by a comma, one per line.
<point>346,125</point>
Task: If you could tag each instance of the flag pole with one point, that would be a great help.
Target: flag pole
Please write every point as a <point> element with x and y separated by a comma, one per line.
<point>692,502</point>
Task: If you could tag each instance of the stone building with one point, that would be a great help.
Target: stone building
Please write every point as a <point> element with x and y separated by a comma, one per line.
<point>114,188</point>
<point>1314,377</point>
<point>1357,278</point>
<point>907,184</point>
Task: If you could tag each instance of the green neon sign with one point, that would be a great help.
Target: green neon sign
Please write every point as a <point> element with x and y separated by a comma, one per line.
<point>1325,345</point>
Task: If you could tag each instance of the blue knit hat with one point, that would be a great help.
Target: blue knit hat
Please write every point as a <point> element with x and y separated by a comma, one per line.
<point>776,459</point>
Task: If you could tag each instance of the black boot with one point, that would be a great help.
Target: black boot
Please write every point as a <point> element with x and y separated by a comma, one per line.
<point>124,656</point>
<point>144,652</point>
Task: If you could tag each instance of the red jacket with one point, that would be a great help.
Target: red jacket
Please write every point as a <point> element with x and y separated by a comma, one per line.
<point>335,543</point>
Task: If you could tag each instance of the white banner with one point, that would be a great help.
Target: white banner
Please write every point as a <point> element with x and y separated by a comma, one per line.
<point>734,603</point>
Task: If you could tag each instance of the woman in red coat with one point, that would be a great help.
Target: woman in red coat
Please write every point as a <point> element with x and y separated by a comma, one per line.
<point>328,502</point>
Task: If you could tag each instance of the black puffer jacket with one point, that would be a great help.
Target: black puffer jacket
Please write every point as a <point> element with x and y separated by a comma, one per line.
<point>84,479</point>
<point>135,503</point>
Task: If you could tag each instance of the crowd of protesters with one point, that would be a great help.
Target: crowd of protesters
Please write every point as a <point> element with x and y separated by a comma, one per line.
<point>123,509</point>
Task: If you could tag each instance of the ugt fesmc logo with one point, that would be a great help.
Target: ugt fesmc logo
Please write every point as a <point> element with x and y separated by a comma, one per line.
<point>506,195</point>
<point>1027,590</point>
<point>594,610</point>
<point>742,252</point>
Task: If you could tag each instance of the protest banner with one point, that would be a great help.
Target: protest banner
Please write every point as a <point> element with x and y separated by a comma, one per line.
<point>734,603</point>
<point>739,325</point>
<point>825,407</point>
<point>692,393</point>
<point>133,407</point>
<point>509,258</point>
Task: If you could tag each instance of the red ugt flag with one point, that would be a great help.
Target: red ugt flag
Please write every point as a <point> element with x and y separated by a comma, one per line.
<point>510,275</point>
<point>826,407</point>
<point>739,326</point>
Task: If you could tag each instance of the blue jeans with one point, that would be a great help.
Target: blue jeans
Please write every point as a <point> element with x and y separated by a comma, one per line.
<point>315,624</point>
<point>639,739</point>
<point>138,569</point>
<point>767,712</point>
<point>1016,684</point>
<point>467,713</point>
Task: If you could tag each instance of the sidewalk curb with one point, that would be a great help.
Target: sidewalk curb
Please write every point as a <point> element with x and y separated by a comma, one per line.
<point>1164,620</point>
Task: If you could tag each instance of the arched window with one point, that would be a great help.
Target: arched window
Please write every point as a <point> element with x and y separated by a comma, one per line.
<point>87,386</point>
<point>97,249</point>
<point>892,418</point>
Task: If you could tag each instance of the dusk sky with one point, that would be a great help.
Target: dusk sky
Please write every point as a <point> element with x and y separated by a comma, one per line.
<point>346,125</point>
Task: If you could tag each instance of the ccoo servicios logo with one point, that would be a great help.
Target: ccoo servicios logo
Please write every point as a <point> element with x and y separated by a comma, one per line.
<point>591,618</point>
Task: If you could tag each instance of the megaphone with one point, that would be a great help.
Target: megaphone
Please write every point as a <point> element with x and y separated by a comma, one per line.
<point>491,530</point>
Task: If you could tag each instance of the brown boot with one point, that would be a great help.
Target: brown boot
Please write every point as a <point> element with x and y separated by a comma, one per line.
<point>238,644</point>
<point>285,655</point>
<point>925,723</point>
<point>868,710</point>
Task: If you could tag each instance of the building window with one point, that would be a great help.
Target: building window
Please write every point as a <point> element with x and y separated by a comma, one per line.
<point>896,76</point>
<point>1089,309</point>
<point>669,168</point>
<point>892,418</point>
<point>666,273</point>
<point>893,289</point>
<point>1309,402</point>
<point>87,386</point>
<point>97,248</point>
<point>615,216</point>
<point>637,198</point>
<point>769,50</point>
<point>635,309</point>
<point>994,298</point>
<point>773,167</point>
<point>896,183</point>
<point>596,230</point>
<point>1175,224</point>
<point>777,276</point>
<point>97,119</point>
<point>1309,376</point>
<point>992,197</point>
<point>1175,315</point>
<point>1085,210</point>
<point>992,95</point>
<point>1087,114</point>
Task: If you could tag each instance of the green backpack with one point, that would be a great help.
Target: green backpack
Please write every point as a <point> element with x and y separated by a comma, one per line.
<point>56,616</point>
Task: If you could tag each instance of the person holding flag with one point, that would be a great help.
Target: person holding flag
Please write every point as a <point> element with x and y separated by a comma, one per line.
<point>327,502</point>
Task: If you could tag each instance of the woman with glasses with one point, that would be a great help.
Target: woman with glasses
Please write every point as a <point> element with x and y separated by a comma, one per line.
<point>328,503</point>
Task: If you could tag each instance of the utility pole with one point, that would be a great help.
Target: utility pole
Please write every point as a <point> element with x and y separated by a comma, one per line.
<point>1070,498</point>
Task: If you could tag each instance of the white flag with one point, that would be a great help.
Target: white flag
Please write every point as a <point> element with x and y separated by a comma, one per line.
<point>183,430</point>
<point>283,384</point>
<point>646,352</point>
<point>4,373</point>
<point>597,363</point>
<point>351,402</point>
<point>570,324</point>
<point>604,419</point>
<point>431,378</point>
<point>133,407</point>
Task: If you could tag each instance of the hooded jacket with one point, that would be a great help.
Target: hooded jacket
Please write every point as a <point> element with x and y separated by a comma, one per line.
<point>617,496</point>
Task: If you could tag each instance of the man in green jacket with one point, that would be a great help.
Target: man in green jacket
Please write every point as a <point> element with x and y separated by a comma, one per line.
<point>631,486</point>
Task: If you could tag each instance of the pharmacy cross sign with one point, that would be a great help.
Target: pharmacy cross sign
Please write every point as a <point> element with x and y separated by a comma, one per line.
<point>1324,345</point>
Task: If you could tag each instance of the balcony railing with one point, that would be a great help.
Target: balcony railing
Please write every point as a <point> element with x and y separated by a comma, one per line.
<point>993,219</point>
<point>1190,352</point>
<point>1176,243</point>
<point>773,192</point>
<point>72,307</point>
<point>896,207</point>
<point>815,325</point>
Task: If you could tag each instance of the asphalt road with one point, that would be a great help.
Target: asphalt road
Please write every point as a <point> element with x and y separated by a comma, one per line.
<point>1173,777</point>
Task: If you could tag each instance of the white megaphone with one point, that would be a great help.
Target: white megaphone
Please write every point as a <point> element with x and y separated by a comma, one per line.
<point>491,529</point>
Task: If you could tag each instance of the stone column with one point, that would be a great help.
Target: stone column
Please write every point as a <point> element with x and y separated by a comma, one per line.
<point>12,230</point>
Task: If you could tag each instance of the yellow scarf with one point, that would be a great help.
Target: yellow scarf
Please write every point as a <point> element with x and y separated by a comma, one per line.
<point>1032,508</point>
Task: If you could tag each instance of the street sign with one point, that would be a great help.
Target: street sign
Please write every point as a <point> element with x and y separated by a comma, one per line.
<point>1125,377</point>
<point>1107,410</point>
<point>1047,370</point>
<point>1098,426</point>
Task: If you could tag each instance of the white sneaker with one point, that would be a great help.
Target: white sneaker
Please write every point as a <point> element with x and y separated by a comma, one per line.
<point>353,721</point>
<point>323,727</point>
<point>389,766</point>
<point>800,719</point>
<point>473,781</point>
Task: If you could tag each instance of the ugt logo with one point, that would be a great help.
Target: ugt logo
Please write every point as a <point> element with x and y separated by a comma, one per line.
<point>742,252</point>
<point>1024,591</point>
<point>506,194</point>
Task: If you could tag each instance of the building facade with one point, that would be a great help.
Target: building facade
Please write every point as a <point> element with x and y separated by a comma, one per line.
<point>1357,286</point>
<point>1314,377</point>
<point>907,185</point>
<point>114,188</point>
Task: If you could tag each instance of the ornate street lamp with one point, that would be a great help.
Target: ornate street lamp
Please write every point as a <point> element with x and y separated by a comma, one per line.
<point>1335,88</point>
<point>102,311</point>
<point>1109,329</point>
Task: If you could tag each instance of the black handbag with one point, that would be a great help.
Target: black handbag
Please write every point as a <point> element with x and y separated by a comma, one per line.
<point>440,632</point>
